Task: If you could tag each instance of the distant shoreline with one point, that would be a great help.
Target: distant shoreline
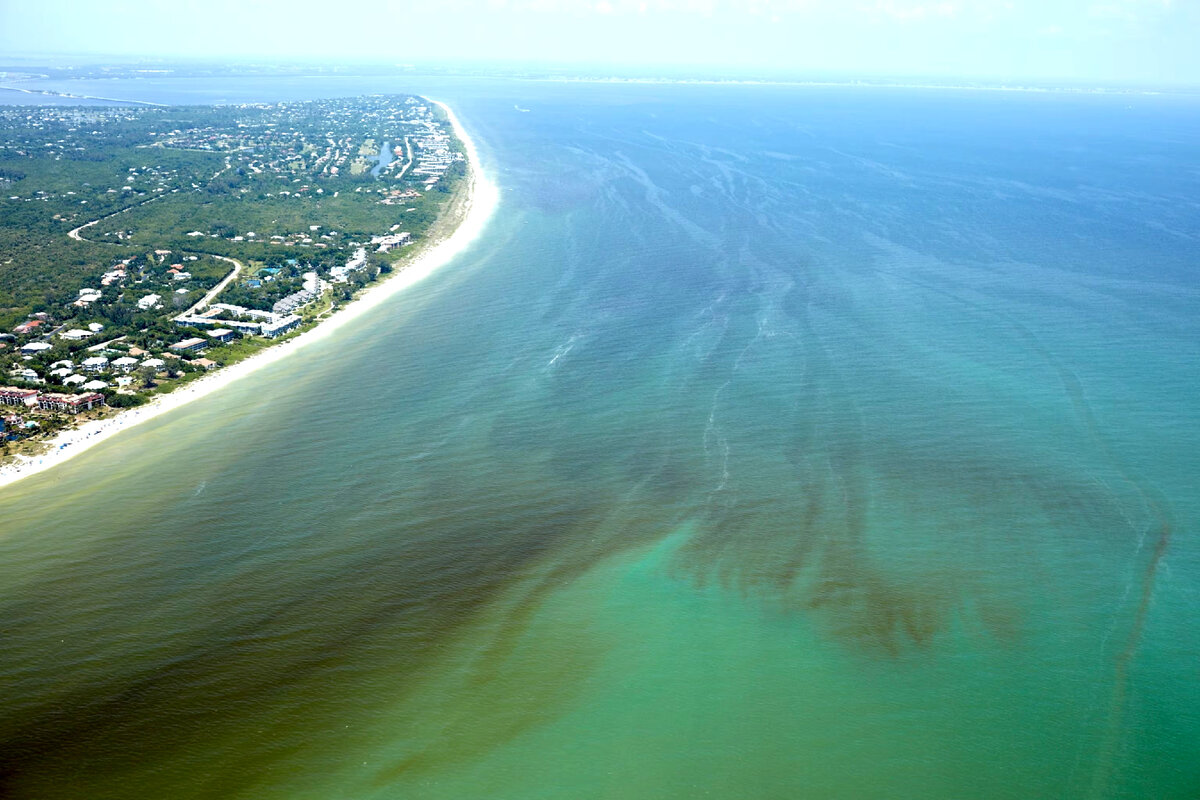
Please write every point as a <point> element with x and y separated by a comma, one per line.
<point>69,96</point>
<point>479,203</point>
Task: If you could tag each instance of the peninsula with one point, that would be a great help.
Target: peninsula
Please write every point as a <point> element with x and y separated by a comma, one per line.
<point>151,256</point>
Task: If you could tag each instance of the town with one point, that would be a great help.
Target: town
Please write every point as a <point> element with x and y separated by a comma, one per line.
<point>181,240</point>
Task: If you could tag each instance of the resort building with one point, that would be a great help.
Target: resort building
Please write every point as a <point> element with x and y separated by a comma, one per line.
<point>193,345</point>
<point>280,326</point>
<point>221,335</point>
<point>12,396</point>
<point>71,403</point>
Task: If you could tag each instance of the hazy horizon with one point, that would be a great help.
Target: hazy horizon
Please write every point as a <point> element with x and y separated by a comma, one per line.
<point>1144,42</point>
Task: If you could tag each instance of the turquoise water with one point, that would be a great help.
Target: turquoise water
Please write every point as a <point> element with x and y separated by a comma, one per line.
<point>772,442</point>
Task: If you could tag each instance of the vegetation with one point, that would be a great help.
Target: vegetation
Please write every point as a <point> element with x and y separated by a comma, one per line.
<point>113,222</point>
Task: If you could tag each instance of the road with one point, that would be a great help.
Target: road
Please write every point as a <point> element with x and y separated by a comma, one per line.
<point>407,149</point>
<point>77,236</point>
<point>213,292</point>
<point>216,290</point>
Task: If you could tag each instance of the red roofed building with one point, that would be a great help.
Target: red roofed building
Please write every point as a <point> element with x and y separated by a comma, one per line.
<point>11,396</point>
<point>71,403</point>
<point>26,327</point>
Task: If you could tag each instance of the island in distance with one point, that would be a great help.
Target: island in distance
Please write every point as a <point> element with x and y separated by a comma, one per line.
<point>148,246</point>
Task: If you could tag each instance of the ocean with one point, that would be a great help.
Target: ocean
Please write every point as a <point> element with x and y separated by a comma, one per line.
<point>771,442</point>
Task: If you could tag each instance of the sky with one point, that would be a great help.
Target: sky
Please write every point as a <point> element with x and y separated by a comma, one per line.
<point>1090,41</point>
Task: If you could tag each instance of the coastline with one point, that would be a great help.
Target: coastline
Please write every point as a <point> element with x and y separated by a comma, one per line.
<point>481,199</point>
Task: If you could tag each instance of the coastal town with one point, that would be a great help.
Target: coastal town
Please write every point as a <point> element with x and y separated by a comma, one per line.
<point>208,234</point>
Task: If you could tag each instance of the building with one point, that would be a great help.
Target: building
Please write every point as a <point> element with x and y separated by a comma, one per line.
<point>193,345</point>
<point>149,301</point>
<point>27,327</point>
<point>391,240</point>
<point>221,335</point>
<point>12,396</point>
<point>94,364</point>
<point>125,364</point>
<point>25,374</point>
<point>280,327</point>
<point>87,297</point>
<point>33,348</point>
<point>71,403</point>
<point>75,335</point>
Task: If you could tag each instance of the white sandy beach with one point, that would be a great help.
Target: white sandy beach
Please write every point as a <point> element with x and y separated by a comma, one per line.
<point>482,197</point>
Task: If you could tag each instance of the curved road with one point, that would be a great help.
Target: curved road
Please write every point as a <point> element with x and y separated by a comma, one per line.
<point>77,236</point>
<point>216,290</point>
<point>210,294</point>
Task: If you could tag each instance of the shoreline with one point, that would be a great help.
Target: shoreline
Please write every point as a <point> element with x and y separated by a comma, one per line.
<point>481,199</point>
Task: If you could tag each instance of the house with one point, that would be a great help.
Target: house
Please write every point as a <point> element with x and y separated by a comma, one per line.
<point>154,363</point>
<point>75,335</point>
<point>87,297</point>
<point>280,326</point>
<point>149,301</point>
<point>112,276</point>
<point>61,372</point>
<point>25,374</point>
<point>12,396</point>
<point>26,327</point>
<point>221,335</point>
<point>33,348</point>
<point>125,364</point>
<point>71,403</point>
<point>73,380</point>
<point>204,362</point>
<point>95,364</point>
<point>64,363</point>
<point>92,386</point>
<point>193,345</point>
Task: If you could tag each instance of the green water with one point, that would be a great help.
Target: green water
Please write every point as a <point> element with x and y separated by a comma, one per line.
<point>770,443</point>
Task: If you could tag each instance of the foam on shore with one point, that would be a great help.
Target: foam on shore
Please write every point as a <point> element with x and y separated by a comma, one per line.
<point>482,197</point>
